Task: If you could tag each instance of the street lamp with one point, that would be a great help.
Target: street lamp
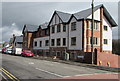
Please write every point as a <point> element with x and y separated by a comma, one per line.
<point>92,30</point>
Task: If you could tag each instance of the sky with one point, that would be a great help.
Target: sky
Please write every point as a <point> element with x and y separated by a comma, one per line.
<point>15,14</point>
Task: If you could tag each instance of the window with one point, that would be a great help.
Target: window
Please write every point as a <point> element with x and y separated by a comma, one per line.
<point>96,25</point>
<point>73,41</point>
<point>58,42</point>
<point>35,43</point>
<point>46,42</point>
<point>105,28</point>
<point>64,41</point>
<point>52,42</point>
<point>64,28</point>
<point>58,54</point>
<point>46,32</point>
<point>40,43</point>
<point>105,41</point>
<point>95,40</point>
<point>90,25</point>
<point>73,26</point>
<point>53,29</point>
<point>58,28</point>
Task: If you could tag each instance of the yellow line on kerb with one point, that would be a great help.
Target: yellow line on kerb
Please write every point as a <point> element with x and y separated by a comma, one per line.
<point>9,75</point>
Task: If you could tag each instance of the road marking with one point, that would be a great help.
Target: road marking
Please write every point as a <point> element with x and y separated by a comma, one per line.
<point>9,75</point>
<point>71,68</point>
<point>50,72</point>
<point>31,63</point>
<point>4,77</point>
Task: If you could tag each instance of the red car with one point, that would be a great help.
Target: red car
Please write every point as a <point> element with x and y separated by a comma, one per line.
<point>3,50</point>
<point>27,53</point>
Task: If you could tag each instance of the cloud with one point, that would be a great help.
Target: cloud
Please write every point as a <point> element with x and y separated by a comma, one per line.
<point>36,13</point>
<point>8,31</point>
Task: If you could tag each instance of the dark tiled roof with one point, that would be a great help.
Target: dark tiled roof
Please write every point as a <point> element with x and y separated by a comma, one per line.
<point>19,39</point>
<point>31,28</point>
<point>64,16</point>
<point>85,13</point>
<point>44,25</point>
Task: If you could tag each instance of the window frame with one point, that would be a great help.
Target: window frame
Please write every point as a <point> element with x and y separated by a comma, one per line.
<point>52,43</point>
<point>73,26</point>
<point>40,43</point>
<point>105,42</point>
<point>64,27</point>
<point>64,42</point>
<point>53,29</point>
<point>58,28</point>
<point>105,29</point>
<point>58,41</point>
<point>46,42</point>
<point>95,40</point>
<point>35,43</point>
<point>72,38</point>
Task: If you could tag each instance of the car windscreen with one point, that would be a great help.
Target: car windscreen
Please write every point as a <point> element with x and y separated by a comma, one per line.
<point>27,51</point>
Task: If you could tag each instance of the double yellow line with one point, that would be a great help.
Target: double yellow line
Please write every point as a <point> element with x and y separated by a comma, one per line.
<point>8,74</point>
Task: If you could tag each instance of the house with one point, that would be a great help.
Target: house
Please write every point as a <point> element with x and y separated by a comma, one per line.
<point>72,33</point>
<point>28,35</point>
<point>18,42</point>
<point>41,40</point>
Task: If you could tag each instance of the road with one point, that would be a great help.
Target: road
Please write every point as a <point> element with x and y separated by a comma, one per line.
<point>27,68</point>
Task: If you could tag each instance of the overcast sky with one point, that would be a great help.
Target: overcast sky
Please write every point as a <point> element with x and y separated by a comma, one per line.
<point>16,14</point>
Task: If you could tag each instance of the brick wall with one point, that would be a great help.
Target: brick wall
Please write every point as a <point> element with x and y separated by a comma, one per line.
<point>108,59</point>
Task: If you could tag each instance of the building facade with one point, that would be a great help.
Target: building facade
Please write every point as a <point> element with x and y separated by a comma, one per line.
<point>72,33</point>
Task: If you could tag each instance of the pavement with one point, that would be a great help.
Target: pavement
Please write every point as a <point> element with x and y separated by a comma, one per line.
<point>28,69</point>
<point>79,64</point>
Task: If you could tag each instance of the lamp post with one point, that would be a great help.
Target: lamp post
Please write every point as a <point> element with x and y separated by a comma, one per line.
<point>92,31</point>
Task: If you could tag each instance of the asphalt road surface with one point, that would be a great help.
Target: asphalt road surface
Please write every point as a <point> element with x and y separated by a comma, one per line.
<point>27,68</point>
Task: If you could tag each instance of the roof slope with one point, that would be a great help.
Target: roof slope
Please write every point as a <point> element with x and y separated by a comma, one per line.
<point>85,13</point>
<point>64,16</point>
<point>30,28</point>
<point>44,25</point>
<point>19,39</point>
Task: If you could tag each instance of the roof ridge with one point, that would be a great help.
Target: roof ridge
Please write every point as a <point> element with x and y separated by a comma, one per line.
<point>90,8</point>
<point>63,12</point>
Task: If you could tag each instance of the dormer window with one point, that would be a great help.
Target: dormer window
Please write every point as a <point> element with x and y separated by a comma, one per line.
<point>73,26</point>
<point>58,28</point>
<point>53,29</point>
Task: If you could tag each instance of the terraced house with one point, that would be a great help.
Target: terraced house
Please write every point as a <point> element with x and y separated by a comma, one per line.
<point>72,33</point>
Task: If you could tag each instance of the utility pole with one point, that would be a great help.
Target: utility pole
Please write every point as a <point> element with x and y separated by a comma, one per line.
<point>92,31</point>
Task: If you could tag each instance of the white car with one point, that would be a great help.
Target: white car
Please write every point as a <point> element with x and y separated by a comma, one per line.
<point>8,50</point>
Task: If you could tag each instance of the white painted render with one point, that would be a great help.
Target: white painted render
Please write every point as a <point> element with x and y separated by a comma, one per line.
<point>56,34</point>
<point>77,33</point>
<point>38,43</point>
<point>59,35</point>
<point>96,15</point>
<point>107,35</point>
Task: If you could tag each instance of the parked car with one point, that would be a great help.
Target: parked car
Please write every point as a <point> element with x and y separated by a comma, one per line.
<point>17,51</point>
<point>9,51</point>
<point>3,50</point>
<point>0,50</point>
<point>27,53</point>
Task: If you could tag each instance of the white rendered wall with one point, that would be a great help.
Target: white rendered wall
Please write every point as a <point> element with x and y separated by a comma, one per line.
<point>77,33</point>
<point>38,43</point>
<point>107,35</point>
<point>96,15</point>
